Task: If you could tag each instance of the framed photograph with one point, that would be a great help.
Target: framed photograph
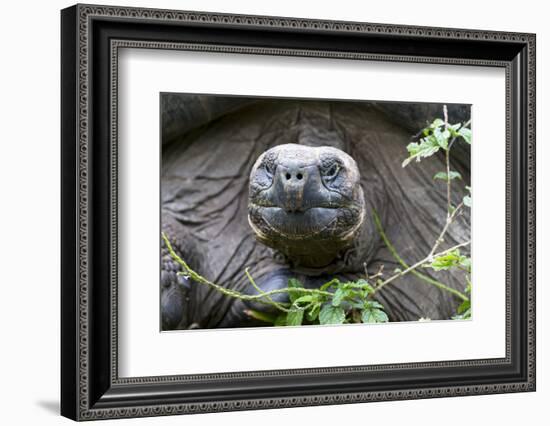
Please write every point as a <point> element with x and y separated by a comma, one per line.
<point>263,212</point>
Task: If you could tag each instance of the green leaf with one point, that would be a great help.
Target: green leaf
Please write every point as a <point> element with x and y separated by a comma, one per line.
<point>331,315</point>
<point>339,296</point>
<point>361,284</point>
<point>313,312</point>
<point>445,262</point>
<point>467,200</point>
<point>295,316</point>
<point>351,291</point>
<point>466,262</point>
<point>465,315</point>
<point>448,261</point>
<point>280,321</point>
<point>468,286</point>
<point>304,299</point>
<point>372,304</point>
<point>357,304</point>
<point>374,316</point>
<point>464,306</point>
<point>443,175</point>
<point>293,295</point>
<point>365,291</point>
<point>261,316</point>
<point>373,311</point>
<point>442,137</point>
<point>294,283</point>
<point>425,148</point>
<point>466,134</point>
<point>438,122</point>
<point>453,129</point>
<point>325,286</point>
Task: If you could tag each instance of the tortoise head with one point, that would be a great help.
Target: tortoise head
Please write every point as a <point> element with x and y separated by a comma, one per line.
<point>306,202</point>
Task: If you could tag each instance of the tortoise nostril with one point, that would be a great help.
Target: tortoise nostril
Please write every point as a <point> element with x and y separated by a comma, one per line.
<point>287,176</point>
<point>299,176</point>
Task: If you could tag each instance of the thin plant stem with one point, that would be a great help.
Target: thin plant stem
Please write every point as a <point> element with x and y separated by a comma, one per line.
<point>412,269</point>
<point>448,223</point>
<point>260,291</point>
<point>233,293</point>
<point>448,165</point>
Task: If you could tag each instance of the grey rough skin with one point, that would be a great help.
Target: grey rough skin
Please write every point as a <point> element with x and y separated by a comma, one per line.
<point>209,175</point>
<point>308,204</point>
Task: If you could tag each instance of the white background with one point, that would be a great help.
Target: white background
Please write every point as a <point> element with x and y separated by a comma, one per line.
<point>29,225</point>
<point>140,343</point>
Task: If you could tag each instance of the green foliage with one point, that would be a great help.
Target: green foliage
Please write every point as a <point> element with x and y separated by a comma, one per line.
<point>466,134</point>
<point>261,316</point>
<point>468,198</point>
<point>331,315</point>
<point>294,283</point>
<point>348,302</point>
<point>444,176</point>
<point>373,312</point>
<point>464,310</point>
<point>450,260</point>
<point>295,316</point>
<point>441,135</point>
<point>438,135</point>
<point>427,147</point>
<point>459,131</point>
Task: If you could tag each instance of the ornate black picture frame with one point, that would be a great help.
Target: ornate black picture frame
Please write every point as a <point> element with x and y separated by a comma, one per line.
<point>91,36</point>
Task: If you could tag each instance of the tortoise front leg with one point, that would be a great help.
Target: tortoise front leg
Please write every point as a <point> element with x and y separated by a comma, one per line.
<point>174,292</point>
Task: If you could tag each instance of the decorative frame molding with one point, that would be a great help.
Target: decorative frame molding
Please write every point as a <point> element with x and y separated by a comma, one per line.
<point>91,37</point>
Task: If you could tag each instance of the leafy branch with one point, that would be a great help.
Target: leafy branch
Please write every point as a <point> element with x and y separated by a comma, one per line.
<point>346,303</point>
<point>190,273</point>
<point>412,269</point>
<point>440,135</point>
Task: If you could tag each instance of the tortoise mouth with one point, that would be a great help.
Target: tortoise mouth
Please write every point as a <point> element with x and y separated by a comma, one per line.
<point>298,224</point>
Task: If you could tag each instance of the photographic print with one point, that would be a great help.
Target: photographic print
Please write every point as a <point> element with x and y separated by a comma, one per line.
<point>294,212</point>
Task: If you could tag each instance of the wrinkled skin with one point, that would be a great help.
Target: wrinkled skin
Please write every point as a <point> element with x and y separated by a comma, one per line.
<point>227,204</point>
<point>307,203</point>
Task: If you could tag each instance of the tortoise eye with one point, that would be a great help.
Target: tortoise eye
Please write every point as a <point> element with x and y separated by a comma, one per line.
<point>332,171</point>
<point>269,168</point>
